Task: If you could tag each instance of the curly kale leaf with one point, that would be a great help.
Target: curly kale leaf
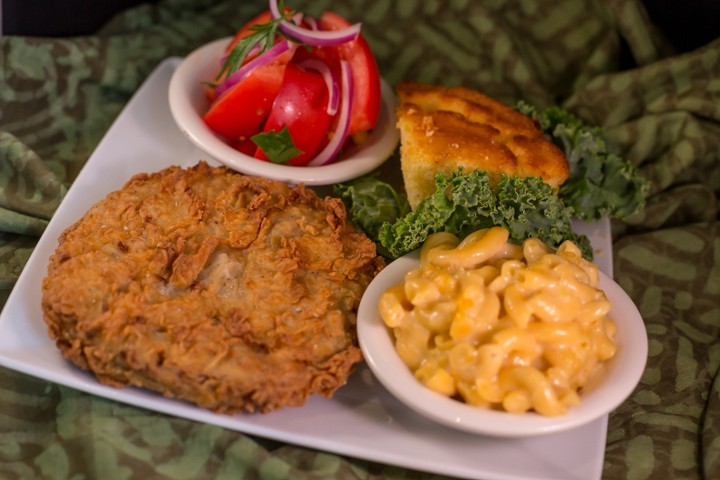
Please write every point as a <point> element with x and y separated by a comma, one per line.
<point>370,203</point>
<point>461,204</point>
<point>601,182</point>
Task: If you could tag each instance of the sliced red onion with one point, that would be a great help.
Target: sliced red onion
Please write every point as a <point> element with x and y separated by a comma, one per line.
<point>316,38</point>
<point>330,153</point>
<point>263,59</point>
<point>330,81</point>
<point>312,22</point>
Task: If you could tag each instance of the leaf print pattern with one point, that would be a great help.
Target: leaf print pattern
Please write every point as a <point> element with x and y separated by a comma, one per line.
<point>603,61</point>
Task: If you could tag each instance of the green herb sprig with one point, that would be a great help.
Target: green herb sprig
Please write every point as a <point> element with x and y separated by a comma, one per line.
<point>263,35</point>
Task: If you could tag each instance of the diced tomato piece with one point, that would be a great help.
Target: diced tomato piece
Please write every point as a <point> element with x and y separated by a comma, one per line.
<point>283,94</point>
<point>246,146</point>
<point>366,77</point>
<point>328,55</point>
<point>238,113</point>
<point>301,107</point>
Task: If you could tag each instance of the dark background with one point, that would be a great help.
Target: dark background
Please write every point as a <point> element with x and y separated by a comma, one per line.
<point>59,18</point>
<point>688,24</point>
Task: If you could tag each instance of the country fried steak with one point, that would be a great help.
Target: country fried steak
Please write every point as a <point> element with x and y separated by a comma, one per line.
<point>233,292</point>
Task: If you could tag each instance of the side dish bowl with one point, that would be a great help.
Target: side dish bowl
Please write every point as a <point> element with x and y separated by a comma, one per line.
<point>188,103</point>
<point>616,382</point>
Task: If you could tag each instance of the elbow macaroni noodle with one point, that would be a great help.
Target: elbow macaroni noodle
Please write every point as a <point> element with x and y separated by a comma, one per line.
<point>501,325</point>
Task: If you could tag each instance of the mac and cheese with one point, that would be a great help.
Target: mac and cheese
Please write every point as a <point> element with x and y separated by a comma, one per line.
<point>512,327</point>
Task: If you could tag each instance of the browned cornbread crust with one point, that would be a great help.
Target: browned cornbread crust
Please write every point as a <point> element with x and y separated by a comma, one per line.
<point>443,129</point>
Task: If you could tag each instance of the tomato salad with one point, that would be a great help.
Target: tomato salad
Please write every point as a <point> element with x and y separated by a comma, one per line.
<point>295,89</point>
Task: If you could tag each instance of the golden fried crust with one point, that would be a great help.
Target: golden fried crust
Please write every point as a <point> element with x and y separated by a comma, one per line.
<point>233,292</point>
<point>443,129</point>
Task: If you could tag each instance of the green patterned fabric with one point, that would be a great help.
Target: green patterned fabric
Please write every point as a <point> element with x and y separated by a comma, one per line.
<point>603,60</point>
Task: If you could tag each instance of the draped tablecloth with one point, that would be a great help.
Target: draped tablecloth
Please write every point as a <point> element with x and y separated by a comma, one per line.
<point>604,61</point>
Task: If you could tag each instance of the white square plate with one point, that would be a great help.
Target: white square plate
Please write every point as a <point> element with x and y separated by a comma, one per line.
<point>362,420</point>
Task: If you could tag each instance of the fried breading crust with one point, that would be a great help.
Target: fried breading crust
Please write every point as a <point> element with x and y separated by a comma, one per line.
<point>232,292</point>
<point>443,129</point>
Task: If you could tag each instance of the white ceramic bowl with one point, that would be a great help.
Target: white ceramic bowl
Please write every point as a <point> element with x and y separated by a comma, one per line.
<point>617,382</point>
<point>188,104</point>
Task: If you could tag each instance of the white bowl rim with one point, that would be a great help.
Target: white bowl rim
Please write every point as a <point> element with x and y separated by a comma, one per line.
<point>618,380</point>
<point>186,99</point>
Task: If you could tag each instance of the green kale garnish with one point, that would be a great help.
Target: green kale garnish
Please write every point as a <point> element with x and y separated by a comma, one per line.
<point>463,203</point>
<point>601,182</point>
<point>370,203</point>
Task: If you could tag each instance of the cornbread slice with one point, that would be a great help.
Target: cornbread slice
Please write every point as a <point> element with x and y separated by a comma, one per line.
<point>443,129</point>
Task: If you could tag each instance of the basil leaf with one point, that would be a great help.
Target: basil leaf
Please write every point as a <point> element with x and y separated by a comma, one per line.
<point>278,147</point>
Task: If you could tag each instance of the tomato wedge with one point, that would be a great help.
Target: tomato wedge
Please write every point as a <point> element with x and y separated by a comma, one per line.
<point>283,94</point>
<point>301,107</point>
<point>238,113</point>
<point>366,78</point>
